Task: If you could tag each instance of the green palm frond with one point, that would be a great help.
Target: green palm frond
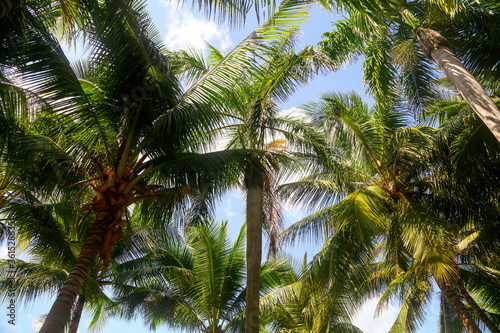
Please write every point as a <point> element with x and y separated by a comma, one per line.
<point>362,213</point>
<point>345,120</point>
<point>218,81</point>
<point>32,280</point>
<point>443,111</point>
<point>100,310</point>
<point>315,226</point>
<point>414,296</point>
<point>482,281</point>
<point>46,233</point>
<point>215,56</point>
<point>189,65</point>
<point>344,44</point>
<point>298,307</point>
<point>474,142</point>
<point>188,281</point>
<point>378,70</point>
<point>429,242</point>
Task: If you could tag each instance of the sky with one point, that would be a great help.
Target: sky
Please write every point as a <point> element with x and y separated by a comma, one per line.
<point>182,27</point>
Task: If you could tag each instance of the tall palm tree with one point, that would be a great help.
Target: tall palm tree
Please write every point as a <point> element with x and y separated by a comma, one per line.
<point>388,42</point>
<point>115,125</point>
<point>453,170</point>
<point>269,74</point>
<point>255,130</point>
<point>53,241</point>
<point>467,159</point>
<point>383,215</point>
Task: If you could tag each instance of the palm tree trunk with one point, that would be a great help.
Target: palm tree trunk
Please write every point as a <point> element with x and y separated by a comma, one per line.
<point>434,47</point>
<point>458,307</point>
<point>6,6</point>
<point>479,312</point>
<point>75,320</point>
<point>109,205</point>
<point>254,186</point>
<point>61,309</point>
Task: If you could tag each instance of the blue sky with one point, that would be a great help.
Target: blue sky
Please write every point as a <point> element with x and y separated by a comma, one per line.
<point>180,27</point>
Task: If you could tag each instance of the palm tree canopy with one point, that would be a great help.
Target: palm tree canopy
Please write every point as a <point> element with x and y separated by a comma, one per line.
<point>197,286</point>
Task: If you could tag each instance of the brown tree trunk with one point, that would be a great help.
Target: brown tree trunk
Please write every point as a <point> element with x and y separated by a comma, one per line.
<point>434,47</point>
<point>6,6</point>
<point>479,312</point>
<point>254,184</point>
<point>109,205</point>
<point>458,307</point>
<point>77,314</point>
<point>61,309</point>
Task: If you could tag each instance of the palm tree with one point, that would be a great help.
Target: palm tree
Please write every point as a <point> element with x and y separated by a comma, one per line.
<point>54,234</point>
<point>453,170</point>
<point>467,158</point>
<point>257,123</point>
<point>384,52</point>
<point>304,304</point>
<point>115,125</point>
<point>384,161</point>
<point>269,74</point>
<point>198,286</point>
<point>388,42</point>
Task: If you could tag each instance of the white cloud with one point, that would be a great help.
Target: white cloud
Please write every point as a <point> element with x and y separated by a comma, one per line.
<point>228,211</point>
<point>184,29</point>
<point>368,324</point>
<point>296,113</point>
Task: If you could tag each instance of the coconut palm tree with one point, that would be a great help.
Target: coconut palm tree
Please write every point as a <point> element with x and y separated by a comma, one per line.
<point>389,43</point>
<point>387,60</point>
<point>269,75</point>
<point>198,286</point>
<point>386,214</point>
<point>256,130</point>
<point>53,241</point>
<point>465,220</point>
<point>467,158</point>
<point>115,125</point>
<point>304,304</point>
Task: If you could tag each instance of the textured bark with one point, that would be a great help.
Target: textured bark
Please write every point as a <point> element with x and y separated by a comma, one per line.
<point>112,198</point>
<point>479,312</point>
<point>434,47</point>
<point>458,307</point>
<point>61,309</point>
<point>254,251</point>
<point>6,6</point>
<point>77,314</point>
